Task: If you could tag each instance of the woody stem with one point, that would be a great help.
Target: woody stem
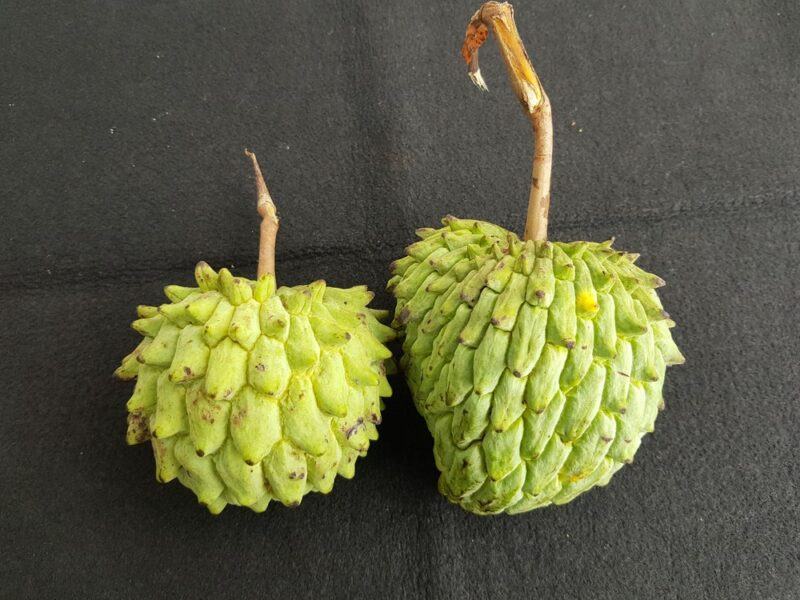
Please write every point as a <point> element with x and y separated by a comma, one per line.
<point>499,16</point>
<point>269,221</point>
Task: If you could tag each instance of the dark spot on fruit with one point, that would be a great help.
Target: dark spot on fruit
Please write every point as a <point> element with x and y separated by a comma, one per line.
<point>517,374</point>
<point>584,347</point>
<point>188,372</point>
<point>347,335</point>
<point>539,294</point>
<point>622,411</point>
<point>570,344</point>
<point>261,367</point>
<point>350,432</point>
<point>495,321</point>
<point>607,440</point>
<point>623,374</point>
<point>249,462</point>
<point>200,453</point>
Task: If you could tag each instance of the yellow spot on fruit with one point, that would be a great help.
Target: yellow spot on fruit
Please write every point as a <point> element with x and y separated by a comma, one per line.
<point>586,302</point>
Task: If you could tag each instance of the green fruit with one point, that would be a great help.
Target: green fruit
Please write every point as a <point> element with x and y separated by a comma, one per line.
<point>250,394</point>
<point>538,367</point>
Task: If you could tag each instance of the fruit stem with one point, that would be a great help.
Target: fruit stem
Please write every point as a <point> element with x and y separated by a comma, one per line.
<point>269,221</point>
<point>500,17</point>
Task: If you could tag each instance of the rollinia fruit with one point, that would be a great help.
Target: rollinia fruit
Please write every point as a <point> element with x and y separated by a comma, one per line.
<point>250,393</point>
<point>537,365</point>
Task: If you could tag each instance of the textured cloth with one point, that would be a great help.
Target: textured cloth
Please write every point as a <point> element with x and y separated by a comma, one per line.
<point>124,125</point>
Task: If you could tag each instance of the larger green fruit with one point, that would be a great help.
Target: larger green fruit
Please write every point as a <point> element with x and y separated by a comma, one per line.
<point>249,394</point>
<point>538,366</point>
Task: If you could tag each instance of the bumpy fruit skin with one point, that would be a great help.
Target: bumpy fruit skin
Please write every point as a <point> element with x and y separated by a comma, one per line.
<point>249,394</point>
<point>538,366</point>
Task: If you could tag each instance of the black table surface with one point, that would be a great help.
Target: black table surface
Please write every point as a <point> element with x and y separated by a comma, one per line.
<point>123,126</point>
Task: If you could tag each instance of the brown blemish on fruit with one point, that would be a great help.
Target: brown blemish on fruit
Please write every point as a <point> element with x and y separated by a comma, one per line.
<point>352,430</point>
<point>238,417</point>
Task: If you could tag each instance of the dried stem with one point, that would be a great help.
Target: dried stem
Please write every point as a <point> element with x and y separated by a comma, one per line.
<point>500,17</point>
<point>269,222</point>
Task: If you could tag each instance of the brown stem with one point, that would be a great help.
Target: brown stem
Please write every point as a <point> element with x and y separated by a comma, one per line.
<point>500,17</point>
<point>269,222</point>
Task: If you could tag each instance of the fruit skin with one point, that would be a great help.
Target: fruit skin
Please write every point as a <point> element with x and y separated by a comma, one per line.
<point>538,366</point>
<point>250,394</point>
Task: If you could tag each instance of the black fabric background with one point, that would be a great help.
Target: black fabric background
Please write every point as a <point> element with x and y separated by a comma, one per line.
<point>123,126</point>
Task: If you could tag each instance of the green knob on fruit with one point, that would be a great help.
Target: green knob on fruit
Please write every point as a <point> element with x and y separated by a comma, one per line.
<point>249,392</point>
<point>537,365</point>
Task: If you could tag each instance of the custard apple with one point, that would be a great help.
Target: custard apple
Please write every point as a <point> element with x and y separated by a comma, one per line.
<point>249,393</point>
<point>538,366</point>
